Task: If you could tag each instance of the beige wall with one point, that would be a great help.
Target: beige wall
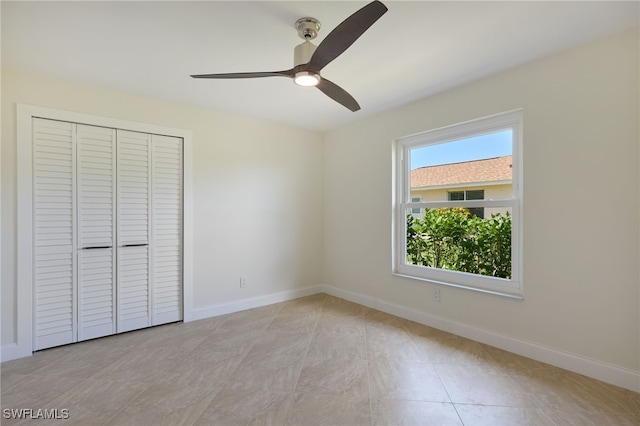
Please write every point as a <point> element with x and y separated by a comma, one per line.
<point>253,216</point>
<point>581,138</point>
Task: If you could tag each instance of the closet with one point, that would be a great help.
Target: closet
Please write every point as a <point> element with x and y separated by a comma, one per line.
<point>107,210</point>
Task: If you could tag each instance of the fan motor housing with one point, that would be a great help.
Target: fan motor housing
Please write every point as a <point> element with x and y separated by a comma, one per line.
<point>303,52</point>
<point>307,30</point>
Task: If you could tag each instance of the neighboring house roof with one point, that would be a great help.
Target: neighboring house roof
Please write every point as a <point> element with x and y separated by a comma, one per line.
<point>477,171</point>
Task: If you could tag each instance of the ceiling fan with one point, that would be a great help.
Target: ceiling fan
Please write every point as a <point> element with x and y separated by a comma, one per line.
<point>309,59</point>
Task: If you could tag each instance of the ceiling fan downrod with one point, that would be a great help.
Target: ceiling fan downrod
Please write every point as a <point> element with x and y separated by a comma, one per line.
<point>307,30</point>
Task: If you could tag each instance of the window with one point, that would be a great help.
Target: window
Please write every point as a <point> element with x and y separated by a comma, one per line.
<point>468,195</point>
<point>458,203</point>
<point>416,212</point>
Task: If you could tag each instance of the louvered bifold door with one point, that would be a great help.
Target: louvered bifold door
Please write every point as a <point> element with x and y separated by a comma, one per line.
<point>134,209</point>
<point>54,233</point>
<point>96,154</point>
<point>167,229</point>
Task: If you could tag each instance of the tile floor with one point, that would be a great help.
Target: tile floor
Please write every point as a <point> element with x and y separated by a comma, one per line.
<point>314,360</point>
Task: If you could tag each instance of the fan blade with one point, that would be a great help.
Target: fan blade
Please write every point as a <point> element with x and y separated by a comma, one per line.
<point>286,73</point>
<point>338,94</point>
<point>345,34</point>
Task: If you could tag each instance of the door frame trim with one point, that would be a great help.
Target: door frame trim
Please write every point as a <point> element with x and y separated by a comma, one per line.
<point>24,288</point>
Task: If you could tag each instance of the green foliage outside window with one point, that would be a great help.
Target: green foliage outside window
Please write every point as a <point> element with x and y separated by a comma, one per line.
<point>454,239</point>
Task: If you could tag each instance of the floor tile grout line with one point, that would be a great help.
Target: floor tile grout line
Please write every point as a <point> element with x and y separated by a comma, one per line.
<point>366,353</point>
<point>306,355</point>
<point>263,331</point>
<point>131,401</point>
<point>150,384</point>
<point>244,355</point>
<point>248,350</point>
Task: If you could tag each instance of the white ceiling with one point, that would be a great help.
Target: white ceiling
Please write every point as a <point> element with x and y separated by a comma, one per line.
<point>418,48</point>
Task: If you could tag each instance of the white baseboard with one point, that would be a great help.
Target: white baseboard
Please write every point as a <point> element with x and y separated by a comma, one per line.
<point>254,302</point>
<point>12,351</point>
<point>624,378</point>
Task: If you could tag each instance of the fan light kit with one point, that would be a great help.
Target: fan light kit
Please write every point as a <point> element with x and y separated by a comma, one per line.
<point>309,60</point>
<point>306,79</point>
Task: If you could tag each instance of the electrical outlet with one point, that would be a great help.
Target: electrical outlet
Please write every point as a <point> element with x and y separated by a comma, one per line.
<point>436,294</point>
<point>243,282</point>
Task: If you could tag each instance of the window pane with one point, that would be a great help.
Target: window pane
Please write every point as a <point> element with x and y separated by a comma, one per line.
<point>440,172</point>
<point>456,195</point>
<point>476,211</point>
<point>475,195</point>
<point>416,211</point>
<point>457,240</point>
<point>492,145</point>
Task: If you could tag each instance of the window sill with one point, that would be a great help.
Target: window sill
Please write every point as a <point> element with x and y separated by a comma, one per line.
<point>479,290</point>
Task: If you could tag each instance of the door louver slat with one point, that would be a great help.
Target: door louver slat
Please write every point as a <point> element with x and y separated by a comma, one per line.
<point>133,286</point>
<point>134,181</point>
<point>96,226</point>
<point>54,238</point>
<point>167,229</point>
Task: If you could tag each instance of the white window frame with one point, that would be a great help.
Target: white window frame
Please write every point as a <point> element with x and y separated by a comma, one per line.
<point>491,124</point>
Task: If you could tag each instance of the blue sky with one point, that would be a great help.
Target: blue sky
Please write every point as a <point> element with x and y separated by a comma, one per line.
<point>476,148</point>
